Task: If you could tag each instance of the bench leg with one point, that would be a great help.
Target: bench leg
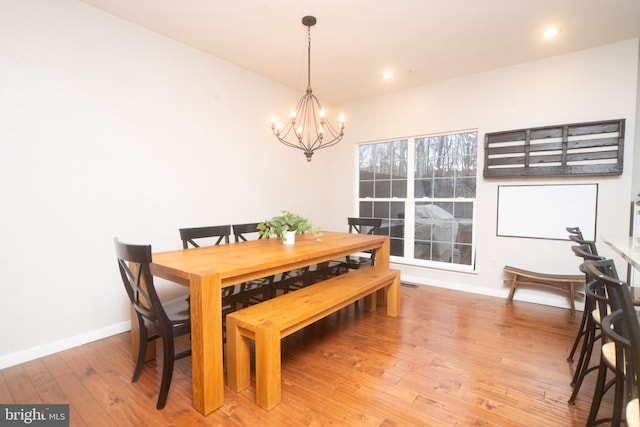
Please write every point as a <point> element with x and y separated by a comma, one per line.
<point>370,302</point>
<point>572,296</point>
<point>514,285</point>
<point>392,293</point>
<point>268,369</point>
<point>238,357</point>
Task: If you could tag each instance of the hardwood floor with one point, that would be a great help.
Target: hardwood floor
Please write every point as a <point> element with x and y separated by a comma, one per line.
<point>451,359</point>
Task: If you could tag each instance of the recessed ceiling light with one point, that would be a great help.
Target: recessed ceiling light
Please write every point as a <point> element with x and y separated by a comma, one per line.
<point>388,74</point>
<point>550,32</point>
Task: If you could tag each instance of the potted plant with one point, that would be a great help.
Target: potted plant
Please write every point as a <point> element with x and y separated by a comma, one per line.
<point>285,226</point>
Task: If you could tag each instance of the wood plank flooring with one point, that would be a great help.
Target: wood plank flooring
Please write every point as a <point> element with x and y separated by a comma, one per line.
<point>451,359</point>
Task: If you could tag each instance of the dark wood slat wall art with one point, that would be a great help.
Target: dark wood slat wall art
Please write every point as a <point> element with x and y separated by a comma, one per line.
<point>582,149</point>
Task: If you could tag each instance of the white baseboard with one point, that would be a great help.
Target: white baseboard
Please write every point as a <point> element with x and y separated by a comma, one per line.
<point>537,298</point>
<point>22,356</point>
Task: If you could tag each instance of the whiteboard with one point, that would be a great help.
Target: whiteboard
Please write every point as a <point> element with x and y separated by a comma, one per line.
<point>545,211</point>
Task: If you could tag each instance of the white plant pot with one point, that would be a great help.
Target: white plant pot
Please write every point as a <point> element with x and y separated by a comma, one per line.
<point>289,238</point>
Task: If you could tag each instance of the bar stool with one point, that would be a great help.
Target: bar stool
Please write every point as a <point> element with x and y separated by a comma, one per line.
<point>589,325</point>
<point>621,345</point>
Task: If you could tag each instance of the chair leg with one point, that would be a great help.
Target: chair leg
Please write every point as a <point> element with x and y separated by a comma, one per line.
<point>581,333</point>
<point>142,351</point>
<point>582,368</point>
<point>598,393</point>
<point>618,400</point>
<point>585,352</point>
<point>167,370</point>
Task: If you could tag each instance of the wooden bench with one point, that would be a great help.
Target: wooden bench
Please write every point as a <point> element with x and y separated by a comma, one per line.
<point>270,321</point>
<point>564,282</point>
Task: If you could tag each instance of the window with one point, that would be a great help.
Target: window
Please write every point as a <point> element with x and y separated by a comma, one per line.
<point>424,189</point>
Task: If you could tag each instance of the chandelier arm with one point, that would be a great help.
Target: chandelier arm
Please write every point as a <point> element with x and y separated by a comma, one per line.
<point>332,130</point>
<point>327,131</point>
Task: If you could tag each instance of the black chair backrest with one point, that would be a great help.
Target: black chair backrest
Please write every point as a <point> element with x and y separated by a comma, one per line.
<point>188,235</point>
<point>598,267</point>
<point>133,263</point>
<point>590,243</point>
<point>619,328</point>
<point>240,230</point>
<point>584,252</point>
<point>622,327</point>
<point>575,231</point>
<point>596,289</point>
<point>364,225</point>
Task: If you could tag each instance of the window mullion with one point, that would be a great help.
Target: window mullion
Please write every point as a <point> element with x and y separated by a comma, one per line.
<point>409,206</point>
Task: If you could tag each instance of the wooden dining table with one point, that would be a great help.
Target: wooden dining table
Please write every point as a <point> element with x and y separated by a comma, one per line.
<point>206,270</point>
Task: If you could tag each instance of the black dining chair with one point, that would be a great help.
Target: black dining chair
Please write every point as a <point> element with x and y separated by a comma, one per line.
<point>361,226</point>
<point>621,328</point>
<point>156,319</point>
<point>257,290</point>
<point>616,355</point>
<point>241,231</point>
<point>575,231</point>
<point>588,331</point>
<point>591,243</point>
<point>213,236</point>
<point>285,282</point>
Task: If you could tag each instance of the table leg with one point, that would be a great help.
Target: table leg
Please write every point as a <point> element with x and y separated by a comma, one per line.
<point>382,261</point>
<point>206,343</point>
<point>382,255</point>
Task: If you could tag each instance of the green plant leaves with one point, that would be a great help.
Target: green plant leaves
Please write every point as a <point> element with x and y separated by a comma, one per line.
<point>288,221</point>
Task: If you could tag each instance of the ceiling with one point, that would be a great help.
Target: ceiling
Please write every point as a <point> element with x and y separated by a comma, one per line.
<point>355,41</point>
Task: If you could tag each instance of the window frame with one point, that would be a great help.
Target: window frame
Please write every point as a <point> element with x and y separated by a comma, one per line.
<point>411,202</point>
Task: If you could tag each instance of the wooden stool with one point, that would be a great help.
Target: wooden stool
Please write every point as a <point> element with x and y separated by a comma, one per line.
<point>564,282</point>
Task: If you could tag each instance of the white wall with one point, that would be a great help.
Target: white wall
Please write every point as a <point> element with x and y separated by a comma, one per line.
<point>589,85</point>
<point>108,129</point>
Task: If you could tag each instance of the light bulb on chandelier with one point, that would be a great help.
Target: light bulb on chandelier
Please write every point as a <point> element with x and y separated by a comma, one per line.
<point>308,128</point>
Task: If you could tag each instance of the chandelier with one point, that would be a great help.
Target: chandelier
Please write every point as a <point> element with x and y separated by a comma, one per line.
<point>308,129</point>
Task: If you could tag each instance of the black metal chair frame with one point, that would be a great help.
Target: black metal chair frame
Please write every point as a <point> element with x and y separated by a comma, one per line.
<point>622,328</point>
<point>590,243</point>
<point>588,330</point>
<point>575,231</point>
<point>604,279</point>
